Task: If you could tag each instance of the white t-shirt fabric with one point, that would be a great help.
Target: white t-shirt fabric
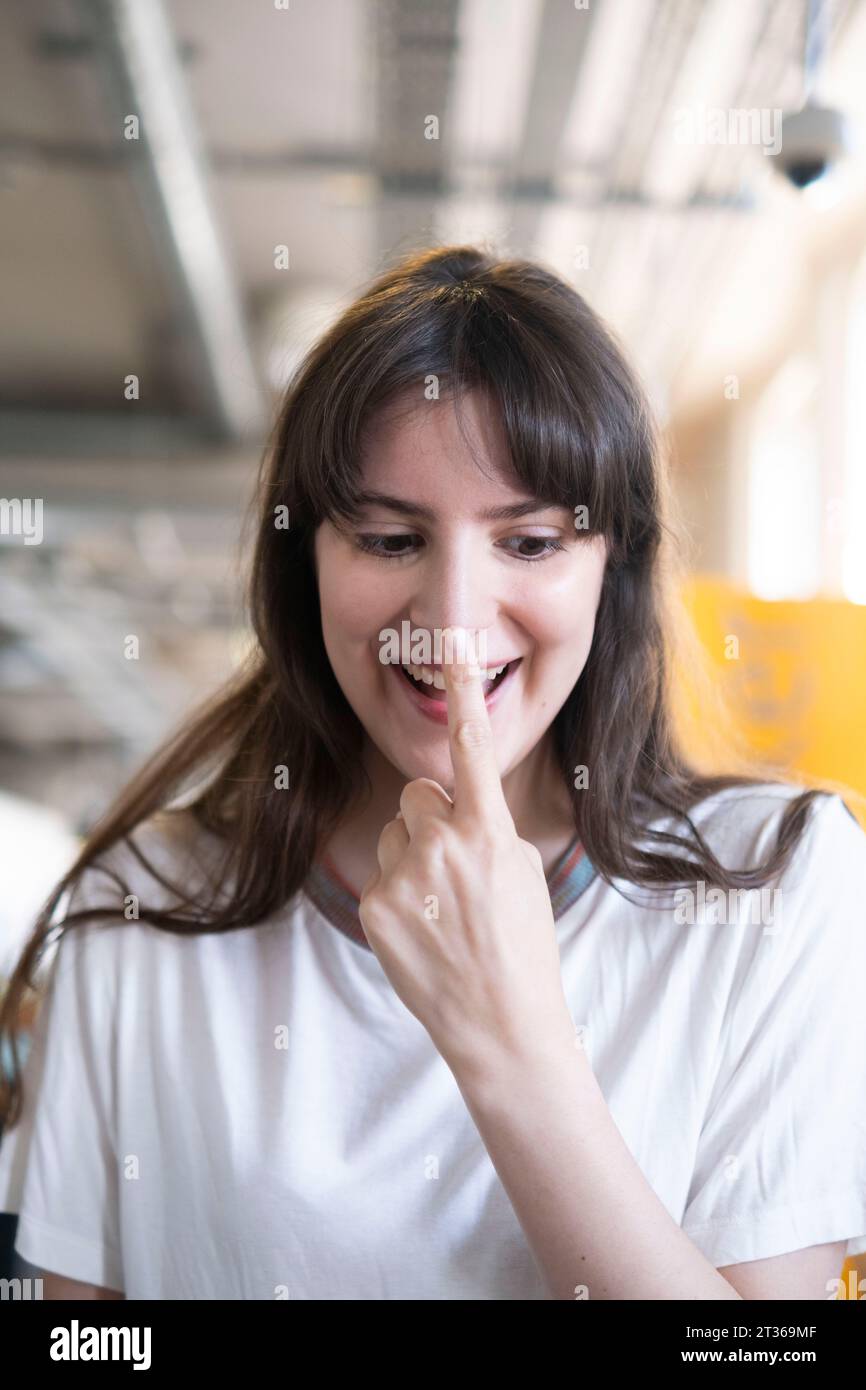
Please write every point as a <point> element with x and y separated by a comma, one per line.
<point>255,1114</point>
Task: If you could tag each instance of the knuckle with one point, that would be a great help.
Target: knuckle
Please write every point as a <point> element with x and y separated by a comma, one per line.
<point>485,856</point>
<point>431,834</point>
<point>372,917</point>
<point>471,734</point>
<point>415,795</point>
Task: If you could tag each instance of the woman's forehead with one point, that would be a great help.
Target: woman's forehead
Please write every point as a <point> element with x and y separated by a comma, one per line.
<point>425,440</point>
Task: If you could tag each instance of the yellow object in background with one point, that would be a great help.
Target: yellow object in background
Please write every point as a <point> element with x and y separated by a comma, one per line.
<point>793,678</point>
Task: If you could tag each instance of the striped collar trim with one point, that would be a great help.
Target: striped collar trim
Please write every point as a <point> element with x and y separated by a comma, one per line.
<point>337,903</point>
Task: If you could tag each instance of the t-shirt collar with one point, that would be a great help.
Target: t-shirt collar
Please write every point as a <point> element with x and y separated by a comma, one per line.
<point>337,902</point>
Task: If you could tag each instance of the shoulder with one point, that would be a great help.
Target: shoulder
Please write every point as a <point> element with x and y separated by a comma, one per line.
<point>803,933</point>
<point>164,859</point>
<point>165,864</point>
<point>110,958</point>
<point>805,910</point>
<point>742,825</point>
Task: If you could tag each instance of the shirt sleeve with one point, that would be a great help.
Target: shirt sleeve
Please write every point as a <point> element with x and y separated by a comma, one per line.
<point>781,1156</point>
<point>58,1165</point>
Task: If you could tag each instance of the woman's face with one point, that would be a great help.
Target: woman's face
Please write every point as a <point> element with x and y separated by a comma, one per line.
<point>441,563</point>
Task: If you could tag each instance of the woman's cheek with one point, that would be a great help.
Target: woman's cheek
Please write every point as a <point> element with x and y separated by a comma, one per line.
<point>351,596</point>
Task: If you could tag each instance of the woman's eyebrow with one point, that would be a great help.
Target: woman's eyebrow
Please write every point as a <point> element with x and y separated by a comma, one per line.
<point>509,512</point>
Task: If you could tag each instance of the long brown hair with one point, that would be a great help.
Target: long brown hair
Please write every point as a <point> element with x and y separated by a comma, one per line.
<point>579,431</point>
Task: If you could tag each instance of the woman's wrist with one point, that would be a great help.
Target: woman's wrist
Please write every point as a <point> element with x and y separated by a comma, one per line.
<point>489,1071</point>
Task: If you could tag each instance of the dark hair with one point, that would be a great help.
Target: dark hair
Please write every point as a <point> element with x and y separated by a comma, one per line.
<point>579,430</point>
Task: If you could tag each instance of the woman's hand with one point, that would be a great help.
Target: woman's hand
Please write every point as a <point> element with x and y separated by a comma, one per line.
<point>458,912</point>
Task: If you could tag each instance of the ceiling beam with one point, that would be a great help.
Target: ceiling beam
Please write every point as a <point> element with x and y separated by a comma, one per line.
<point>145,80</point>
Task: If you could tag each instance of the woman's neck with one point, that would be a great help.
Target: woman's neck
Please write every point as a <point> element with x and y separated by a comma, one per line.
<point>535,792</point>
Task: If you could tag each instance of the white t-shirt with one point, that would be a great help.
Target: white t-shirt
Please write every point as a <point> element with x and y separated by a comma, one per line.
<point>255,1114</point>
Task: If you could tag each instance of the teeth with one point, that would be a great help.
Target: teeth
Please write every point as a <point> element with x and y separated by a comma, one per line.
<point>436,678</point>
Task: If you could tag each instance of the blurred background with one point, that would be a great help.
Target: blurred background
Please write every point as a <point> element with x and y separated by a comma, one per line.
<point>191,192</point>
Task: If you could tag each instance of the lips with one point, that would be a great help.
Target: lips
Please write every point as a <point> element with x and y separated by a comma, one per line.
<point>432,683</point>
<point>432,703</point>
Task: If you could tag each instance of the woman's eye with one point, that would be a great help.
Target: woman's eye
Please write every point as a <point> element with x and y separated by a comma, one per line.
<point>375,545</point>
<point>379,546</point>
<point>550,542</point>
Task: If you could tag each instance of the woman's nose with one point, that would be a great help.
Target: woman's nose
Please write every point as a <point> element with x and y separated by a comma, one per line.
<point>456,587</point>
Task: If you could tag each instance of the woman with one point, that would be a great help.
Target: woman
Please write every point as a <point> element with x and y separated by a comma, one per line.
<point>439,983</point>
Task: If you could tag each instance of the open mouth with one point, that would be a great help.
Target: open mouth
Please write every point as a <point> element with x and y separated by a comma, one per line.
<point>437,696</point>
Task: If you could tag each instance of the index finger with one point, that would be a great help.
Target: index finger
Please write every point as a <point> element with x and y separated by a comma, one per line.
<point>477,783</point>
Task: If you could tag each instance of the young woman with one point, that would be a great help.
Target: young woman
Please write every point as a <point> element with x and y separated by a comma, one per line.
<point>382,982</point>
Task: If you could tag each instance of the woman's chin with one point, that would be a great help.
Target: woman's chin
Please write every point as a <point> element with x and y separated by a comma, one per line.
<point>434,769</point>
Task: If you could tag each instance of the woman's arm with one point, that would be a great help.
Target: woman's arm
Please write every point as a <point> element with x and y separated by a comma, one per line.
<point>595,1225</point>
<point>59,1287</point>
<point>574,1185</point>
